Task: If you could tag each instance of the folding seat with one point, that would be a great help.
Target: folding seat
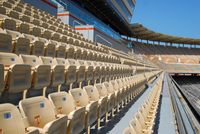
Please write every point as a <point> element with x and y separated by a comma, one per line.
<point>18,9</point>
<point>103,92</point>
<point>36,16</point>
<point>25,18</point>
<point>61,50</point>
<point>111,90</point>
<point>65,104</point>
<point>27,12</point>
<point>82,100</point>
<point>129,130</point>
<point>88,70</point>
<point>106,71</point>
<point>36,21</point>
<point>55,36</point>
<point>90,55</point>
<point>103,71</point>
<point>93,94</point>
<point>59,30</point>
<point>96,72</point>
<point>21,45</point>
<point>78,53</point>
<point>36,31</point>
<point>63,38</point>
<point>41,74</point>
<point>71,41</point>
<point>47,34</point>
<point>70,72</point>
<point>80,71</point>
<point>11,116</point>
<point>6,4</point>
<point>7,23</point>
<point>36,109</point>
<point>37,47</point>
<point>70,52</point>
<point>5,41</point>
<point>57,72</point>
<point>84,54</point>
<point>50,47</point>
<point>17,77</point>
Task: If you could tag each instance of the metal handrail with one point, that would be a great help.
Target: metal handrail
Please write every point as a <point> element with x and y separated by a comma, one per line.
<point>186,121</point>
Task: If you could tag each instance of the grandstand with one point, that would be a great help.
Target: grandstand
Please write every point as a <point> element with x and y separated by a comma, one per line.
<point>64,70</point>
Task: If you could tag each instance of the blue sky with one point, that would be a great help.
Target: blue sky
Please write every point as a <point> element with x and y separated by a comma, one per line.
<point>174,17</point>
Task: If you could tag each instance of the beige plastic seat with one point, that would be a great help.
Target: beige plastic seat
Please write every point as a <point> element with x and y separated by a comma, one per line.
<point>80,71</point>
<point>21,45</point>
<point>129,130</point>
<point>41,77</point>
<point>46,34</point>
<point>7,23</point>
<point>82,100</point>
<point>5,41</point>
<point>65,104</point>
<point>93,95</point>
<point>55,36</point>
<point>118,91</point>
<point>57,71</point>
<point>103,71</point>
<point>111,91</point>
<point>103,92</point>
<point>17,75</point>
<point>70,69</point>
<point>10,115</point>
<point>36,109</point>
<point>96,72</point>
<point>135,124</point>
<point>50,47</point>
<point>61,50</point>
<point>70,52</point>
<point>88,70</point>
<point>37,47</point>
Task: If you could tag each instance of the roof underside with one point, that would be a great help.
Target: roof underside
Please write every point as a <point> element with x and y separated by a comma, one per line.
<point>141,32</point>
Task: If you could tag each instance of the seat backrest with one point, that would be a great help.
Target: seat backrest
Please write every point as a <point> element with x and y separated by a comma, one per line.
<point>115,85</point>
<point>101,89</point>
<point>22,45</point>
<point>109,87</point>
<point>80,96</point>
<point>38,110</point>
<point>5,41</point>
<point>92,93</point>
<point>63,102</point>
<point>17,74</point>
<point>10,116</point>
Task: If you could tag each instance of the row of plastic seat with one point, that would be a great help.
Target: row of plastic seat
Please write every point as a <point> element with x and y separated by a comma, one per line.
<point>31,34</point>
<point>42,27</point>
<point>143,121</point>
<point>28,71</point>
<point>27,44</point>
<point>73,112</point>
<point>29,10</point>
<point>48,44</point>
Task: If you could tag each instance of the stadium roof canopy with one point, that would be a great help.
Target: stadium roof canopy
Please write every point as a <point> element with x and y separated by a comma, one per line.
<point>141,32</point>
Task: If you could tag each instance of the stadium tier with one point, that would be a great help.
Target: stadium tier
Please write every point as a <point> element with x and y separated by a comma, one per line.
<point>63,70</point>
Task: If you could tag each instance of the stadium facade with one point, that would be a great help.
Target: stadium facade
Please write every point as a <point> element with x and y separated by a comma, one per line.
<point>99,21</point>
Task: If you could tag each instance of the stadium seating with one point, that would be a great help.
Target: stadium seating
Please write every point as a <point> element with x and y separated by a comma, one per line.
<point>143,120</point>
<point>48,67</point>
